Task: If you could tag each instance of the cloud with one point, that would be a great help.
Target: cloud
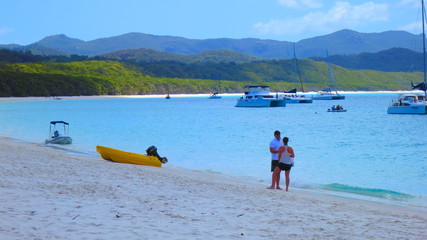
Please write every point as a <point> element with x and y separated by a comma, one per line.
<point>300,3</point>
<point>5,30</point>
<point>410,3</point>
<point>412,27</point>
<point>341,15</point>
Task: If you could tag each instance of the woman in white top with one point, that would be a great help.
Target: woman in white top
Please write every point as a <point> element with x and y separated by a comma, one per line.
<point>286,155</point>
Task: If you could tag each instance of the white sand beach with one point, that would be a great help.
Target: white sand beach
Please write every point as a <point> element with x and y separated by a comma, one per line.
<point>46,193</point>
<point>8,99</point>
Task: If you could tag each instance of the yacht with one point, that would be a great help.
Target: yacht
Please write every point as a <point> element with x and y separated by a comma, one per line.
<point>408,103</point>
<point>327,94</point>
<point>292,96</point>
<point>412,103</point>
<point>260,96</point>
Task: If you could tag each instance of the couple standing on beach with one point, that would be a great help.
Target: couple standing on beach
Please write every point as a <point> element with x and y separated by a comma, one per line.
<point>282,157</point>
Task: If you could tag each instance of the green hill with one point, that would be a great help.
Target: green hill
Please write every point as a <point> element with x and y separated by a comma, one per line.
<point>114,78</point>
<point>149,55</point>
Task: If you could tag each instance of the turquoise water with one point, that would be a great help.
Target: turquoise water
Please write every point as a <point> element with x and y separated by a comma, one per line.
<point>364,152</point>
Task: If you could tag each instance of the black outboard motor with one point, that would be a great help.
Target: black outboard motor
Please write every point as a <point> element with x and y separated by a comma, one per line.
<point>152,151</point>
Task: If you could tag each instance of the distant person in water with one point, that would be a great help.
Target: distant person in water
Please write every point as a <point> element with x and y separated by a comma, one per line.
<point>275,144</point>
<point>286,155</point>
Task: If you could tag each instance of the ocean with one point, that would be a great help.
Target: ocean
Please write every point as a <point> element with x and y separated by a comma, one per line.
<point>363,153</point>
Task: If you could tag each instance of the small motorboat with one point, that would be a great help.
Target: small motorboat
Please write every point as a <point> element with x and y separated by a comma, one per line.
<point>338,108</point>
<point>341,110</point>
<point>151,159</point>
<point>55,137</point>
<point>214,96</point>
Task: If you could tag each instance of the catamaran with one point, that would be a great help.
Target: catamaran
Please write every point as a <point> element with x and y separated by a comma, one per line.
<point>260,96</point>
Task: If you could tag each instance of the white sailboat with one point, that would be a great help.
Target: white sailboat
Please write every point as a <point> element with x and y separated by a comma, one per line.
<point>292,96</point>
<point>412,103</point>
<point>327,94</point>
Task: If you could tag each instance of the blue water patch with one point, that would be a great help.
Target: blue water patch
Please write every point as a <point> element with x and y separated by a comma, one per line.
<point>371,192</point>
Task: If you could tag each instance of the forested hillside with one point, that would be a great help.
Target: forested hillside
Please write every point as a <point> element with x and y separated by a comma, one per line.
<point>94,78</point>
<point>391,60</point>
<point>112,78</point>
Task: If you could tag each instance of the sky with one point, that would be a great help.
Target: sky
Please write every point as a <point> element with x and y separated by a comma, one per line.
<point>27,21</point>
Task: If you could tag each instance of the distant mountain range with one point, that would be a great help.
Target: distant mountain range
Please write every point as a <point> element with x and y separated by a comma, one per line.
<point>344,42</point>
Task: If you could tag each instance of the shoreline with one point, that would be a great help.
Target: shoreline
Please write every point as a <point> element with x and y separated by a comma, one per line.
<point>32,98</point>
<point>48,193</point>
<point>249,180</point>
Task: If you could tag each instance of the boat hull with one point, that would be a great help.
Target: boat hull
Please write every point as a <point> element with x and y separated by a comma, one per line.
<point>410,109</point>
<point>298,100</point>
<point>329,97</point>
<point>343,110</point>
<point>59,140</point>
<point>127,157</point>
<point>261,103</point>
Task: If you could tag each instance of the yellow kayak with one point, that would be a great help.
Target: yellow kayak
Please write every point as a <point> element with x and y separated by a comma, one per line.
<point>127,157</point>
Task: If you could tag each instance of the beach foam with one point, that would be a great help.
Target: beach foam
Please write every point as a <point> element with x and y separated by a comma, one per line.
<point>47,193</point>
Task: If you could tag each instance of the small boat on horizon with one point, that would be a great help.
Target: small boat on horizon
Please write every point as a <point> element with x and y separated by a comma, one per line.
<point>55,137</point>
<point>214,96</point>
<point>260,96</point>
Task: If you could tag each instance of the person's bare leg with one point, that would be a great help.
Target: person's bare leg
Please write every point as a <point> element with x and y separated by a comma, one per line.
<point>273,180</point>
<point>288,179</point>
<point>277,179</point>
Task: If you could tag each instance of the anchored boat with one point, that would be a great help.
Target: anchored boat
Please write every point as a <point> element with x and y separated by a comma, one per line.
<point>326,93</point>
<point>411,103</point>
<point>292,96</point>
<point>260,96</point>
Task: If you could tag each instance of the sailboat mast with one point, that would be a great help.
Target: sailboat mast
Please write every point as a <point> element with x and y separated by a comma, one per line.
<point>331,74</point>
<point>297,72</point>
<point>424,47</point>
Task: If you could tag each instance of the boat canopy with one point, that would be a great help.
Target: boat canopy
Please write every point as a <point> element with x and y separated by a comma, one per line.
<point>292,91</point>
<point>55,122</point>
